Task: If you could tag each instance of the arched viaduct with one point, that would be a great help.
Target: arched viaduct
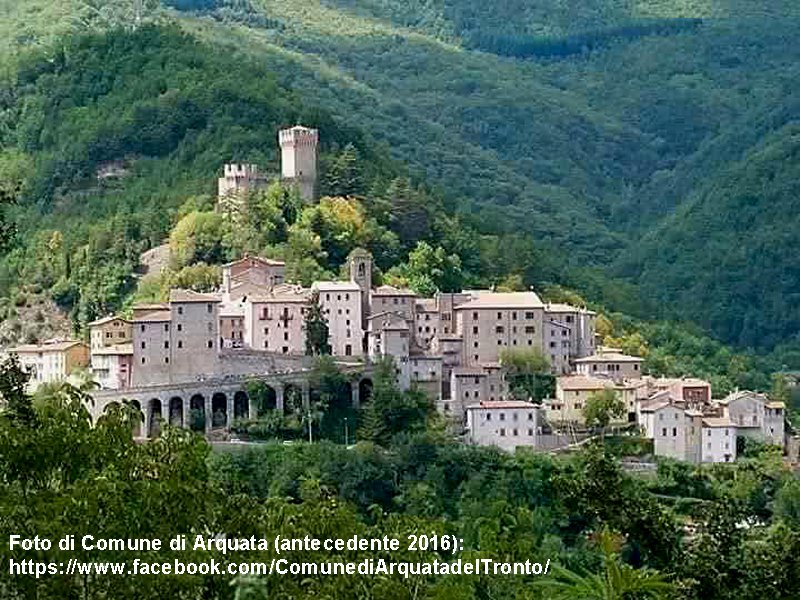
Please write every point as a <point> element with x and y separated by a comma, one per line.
<point>214,403</point>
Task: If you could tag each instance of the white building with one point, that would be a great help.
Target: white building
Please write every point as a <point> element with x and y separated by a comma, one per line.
<point>341,305</point>
<point>610,363</point>
<point>299,152</point>
<point>506,425</point>
<point>51,361</point>
<point>718,440</point>
<point>112,366</point>
<point>755,416</point>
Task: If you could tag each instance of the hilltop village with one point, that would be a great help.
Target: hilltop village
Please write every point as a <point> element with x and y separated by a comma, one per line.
<point>195,352</point>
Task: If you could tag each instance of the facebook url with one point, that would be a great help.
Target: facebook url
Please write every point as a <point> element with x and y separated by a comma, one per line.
<point>279,566</point>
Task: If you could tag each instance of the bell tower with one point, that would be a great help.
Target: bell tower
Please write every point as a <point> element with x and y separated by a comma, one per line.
<point>360,265</point>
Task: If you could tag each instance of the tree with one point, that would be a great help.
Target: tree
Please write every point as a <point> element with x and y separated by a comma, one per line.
<point>344,177</point>
<point>316,328</point>
<point>390,411</point>
<point>429,270</point>
<point>602,407</point>
<point>528,373</point>
<point>12,392</point>
<point>616,581</point>
<point>8,197</point>
<point>780,391</point>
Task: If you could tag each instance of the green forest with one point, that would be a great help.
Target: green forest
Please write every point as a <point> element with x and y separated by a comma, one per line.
<point>685,532</point>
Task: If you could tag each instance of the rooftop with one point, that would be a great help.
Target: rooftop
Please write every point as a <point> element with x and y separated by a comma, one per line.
<point>191,296</point>
<point>583,382</point>
<point>259,259</point>
<point>115,350</point>
<point>610,357</point>
<point>500,404</point>
<point>717,422</point>
<point>155,316</point>
<point>349,286</point>
<point>390,290</point>
<point>48,346</point>
<point>108,319</point>
<point>502,300</point>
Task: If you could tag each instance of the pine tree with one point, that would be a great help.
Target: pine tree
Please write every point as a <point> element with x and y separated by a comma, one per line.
<point>317,331</point>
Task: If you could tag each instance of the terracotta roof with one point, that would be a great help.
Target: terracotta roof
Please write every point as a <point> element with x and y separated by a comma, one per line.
<point>519,300</point>
<point>54,346</point>
<point>150,306</point>
<point>776,404</point>
<point>582,382</point>
<point>156,316</point>
<point>191,296</point>
<point>502,404</point>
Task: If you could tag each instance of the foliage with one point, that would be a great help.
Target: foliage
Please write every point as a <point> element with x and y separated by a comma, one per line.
<point>603,407</point>
<point>528,374</point>
<point>316,328</point>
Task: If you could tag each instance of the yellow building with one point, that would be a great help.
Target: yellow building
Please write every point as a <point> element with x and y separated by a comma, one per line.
<point>573,392</point>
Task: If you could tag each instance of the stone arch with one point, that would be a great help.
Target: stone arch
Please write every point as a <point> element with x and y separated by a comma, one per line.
<point>219,409</point>
<point>365,390</point>
<point>292,399</point>
<point>269,400</point>
<point>197,413</point>
<point>154,416</point>
<point>176,416</point>
<point>241,405</point>
<point>136,428</point>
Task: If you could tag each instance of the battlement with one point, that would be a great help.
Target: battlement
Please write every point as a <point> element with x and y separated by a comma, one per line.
<point>241,170</point>
<point>299,136</point>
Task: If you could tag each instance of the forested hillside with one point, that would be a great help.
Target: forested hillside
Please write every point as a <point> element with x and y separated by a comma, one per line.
<point>592,129</point>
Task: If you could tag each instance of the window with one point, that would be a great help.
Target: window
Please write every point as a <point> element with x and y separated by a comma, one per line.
<point>285,349</point>
<point>499,315</point>
<point>514,316</point>
<point>180,343</point>
<point>475,330</point>
<point>474,316</point>
<point>166,345</point>
<point>530,316</point>
<point>348,349</point>
<point>143,360</point>
<point>144,345</point>
<point>663,432</point>
<point>502,416</point>
<point>285,336</point>
<point>488,416</point>
<point>477,380</point>
<point>499,329</point>
<point>209,308</point>
<point>674,432</point>
<point>516,432</point>
<point>166,359</point>
<point>180,327</point>
<point>166,326</point>
<point>180,310</point>
<point>210,343</point>
<point>530,432</point>
<point>530,416</point>
<point>143,326</point>
<point>266,330</point>
<point>347,296</point>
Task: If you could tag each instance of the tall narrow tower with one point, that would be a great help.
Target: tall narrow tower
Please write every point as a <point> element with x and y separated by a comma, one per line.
<point>299,150</point>
<point>360,265</point>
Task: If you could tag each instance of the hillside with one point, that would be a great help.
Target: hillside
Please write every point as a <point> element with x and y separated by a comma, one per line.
<point>584,127</point>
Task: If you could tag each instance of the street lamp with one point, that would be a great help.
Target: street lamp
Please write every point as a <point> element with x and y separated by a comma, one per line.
<point>345,431</point>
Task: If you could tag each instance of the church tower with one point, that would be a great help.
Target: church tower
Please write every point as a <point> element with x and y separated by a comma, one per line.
<point>360,265</point>
<point>299,151</point>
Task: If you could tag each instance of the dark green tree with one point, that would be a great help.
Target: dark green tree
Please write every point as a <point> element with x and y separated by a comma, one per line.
<point>317,330</point>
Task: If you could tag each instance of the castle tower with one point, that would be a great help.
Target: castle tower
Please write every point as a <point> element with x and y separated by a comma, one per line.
<point>360,265</point>
<point>299,151</point>
<point>236,181</point>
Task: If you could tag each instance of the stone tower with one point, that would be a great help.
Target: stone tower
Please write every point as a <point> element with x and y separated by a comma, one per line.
<point>236,181</point>
<point>299,151</point>
<point>360,264</point>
